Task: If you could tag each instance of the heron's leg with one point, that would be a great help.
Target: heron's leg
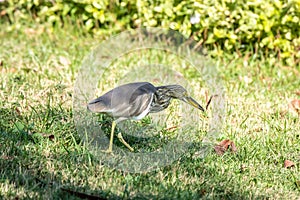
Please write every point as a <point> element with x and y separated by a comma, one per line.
<point>124,142</point>
<point>113,125</point>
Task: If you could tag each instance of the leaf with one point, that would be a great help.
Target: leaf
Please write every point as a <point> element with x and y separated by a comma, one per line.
<point>219,33</point>
<point>219,150</point>
<point>288,164</point>
<point>98,5</point>
<point>224,145</point>
<point>3,12</point>
<point>89,24</point>
<point>295,105</point>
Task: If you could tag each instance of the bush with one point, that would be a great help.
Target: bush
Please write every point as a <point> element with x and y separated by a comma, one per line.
<point>270,26</point>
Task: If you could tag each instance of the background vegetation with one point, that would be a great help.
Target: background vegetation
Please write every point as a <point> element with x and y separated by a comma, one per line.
<point>220,25</point>
<point>255,45</point>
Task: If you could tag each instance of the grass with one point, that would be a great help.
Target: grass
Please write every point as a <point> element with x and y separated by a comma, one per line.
<point>42,156</point>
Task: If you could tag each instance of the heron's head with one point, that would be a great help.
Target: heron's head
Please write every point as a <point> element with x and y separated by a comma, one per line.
<point>179,92</point>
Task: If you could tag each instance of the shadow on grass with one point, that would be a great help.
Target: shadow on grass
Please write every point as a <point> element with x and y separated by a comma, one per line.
<point>32,166</point>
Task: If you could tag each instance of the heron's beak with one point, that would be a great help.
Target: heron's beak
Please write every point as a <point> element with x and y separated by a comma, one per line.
<point>193,103</point>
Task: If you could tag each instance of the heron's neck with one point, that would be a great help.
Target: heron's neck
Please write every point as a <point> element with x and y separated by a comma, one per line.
<point>160,101</point>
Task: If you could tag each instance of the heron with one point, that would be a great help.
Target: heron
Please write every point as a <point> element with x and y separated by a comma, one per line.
<point>135,101</point>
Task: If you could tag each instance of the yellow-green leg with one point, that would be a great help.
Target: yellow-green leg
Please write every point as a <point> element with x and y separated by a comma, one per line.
<point>109,150</point>
<point>113,125</point>
<point>124,142</point>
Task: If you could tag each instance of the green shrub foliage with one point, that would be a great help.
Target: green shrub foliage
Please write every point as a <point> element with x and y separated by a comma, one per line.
<point>270,26</point>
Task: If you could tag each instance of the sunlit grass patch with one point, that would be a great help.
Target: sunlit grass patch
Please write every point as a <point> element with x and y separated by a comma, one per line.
<point>41,152</point>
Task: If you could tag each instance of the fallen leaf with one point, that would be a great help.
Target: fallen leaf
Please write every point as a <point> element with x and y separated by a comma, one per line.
<point>297,93</point>
<point>64,61</point>
<point>3,12</point>
<point>224,145</point>
<point>295,104</point>
<point>219,150</point>
<point>288,164</point>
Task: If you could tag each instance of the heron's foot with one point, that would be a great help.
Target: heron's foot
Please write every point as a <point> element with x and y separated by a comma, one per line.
<point>124,142</point>
<point>108,151</point>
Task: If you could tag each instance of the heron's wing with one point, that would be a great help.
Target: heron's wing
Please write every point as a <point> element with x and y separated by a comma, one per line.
<point>126,101</point>
<point>101,104</point>
<point>141,105</point>
<point>135,105</point>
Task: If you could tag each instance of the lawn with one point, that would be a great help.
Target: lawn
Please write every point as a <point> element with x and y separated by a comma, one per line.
<point>43,157</point>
